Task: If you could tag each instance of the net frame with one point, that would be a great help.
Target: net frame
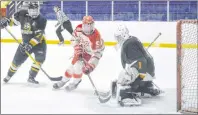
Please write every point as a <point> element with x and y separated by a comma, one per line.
<point>179,65</point>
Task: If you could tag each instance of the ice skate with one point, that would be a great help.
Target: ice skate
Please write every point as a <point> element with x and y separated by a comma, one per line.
<point>61,43</point>
<point>61,83</point>
<point>6,79</point>
<point>32,80</point>
<point>73,85</point>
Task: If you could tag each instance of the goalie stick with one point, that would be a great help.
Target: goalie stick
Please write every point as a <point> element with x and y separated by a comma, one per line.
<point>147,50</point>
<point>154,40</point>
<point>29,55</point>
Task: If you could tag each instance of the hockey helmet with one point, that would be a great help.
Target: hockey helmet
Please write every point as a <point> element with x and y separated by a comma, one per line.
<point>121,33</point>
<point>34,9</point>
<point>88,25</point>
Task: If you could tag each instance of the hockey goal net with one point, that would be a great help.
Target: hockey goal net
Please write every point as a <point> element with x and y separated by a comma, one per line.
<point>187,77</point>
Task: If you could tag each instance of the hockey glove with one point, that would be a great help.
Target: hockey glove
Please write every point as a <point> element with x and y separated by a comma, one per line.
<point>78,51</point>
<point>26,47</point>
<point>87,69</point>
<point>4,22</point>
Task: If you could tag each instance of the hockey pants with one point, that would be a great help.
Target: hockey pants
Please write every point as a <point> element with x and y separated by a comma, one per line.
<point>20,57</point>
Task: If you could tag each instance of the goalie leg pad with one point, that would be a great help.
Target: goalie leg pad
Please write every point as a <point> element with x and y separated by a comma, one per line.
<point>147,87</point>
<point>127,98</point>
<point>113,88</point>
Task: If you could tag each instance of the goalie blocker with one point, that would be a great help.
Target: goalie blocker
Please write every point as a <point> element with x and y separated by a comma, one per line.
<point>138,70</point>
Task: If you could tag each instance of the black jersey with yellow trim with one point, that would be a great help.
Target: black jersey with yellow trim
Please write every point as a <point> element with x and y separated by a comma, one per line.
<point>31,28</point>
<point>132,50</point>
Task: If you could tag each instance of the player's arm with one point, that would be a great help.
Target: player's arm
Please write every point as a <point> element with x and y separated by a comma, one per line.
<point>97,53</point>
<point>76,36</point>
<point>39,32</point>
<point>94,60</point>
<point>124,57</point>
<point>14,20</point>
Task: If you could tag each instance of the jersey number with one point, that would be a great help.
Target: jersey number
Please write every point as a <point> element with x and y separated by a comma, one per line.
<point>140,65</point>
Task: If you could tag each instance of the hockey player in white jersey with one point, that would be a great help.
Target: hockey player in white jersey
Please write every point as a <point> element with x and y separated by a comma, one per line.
<point>138,70</point>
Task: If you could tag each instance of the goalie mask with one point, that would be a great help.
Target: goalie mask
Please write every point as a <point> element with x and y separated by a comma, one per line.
<point>34,10</point>
<point>121,34</point>
<point>88,25</point>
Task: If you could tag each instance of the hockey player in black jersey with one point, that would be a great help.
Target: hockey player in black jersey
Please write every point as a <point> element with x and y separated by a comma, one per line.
<point>32,27</point>
<point>138,70</point>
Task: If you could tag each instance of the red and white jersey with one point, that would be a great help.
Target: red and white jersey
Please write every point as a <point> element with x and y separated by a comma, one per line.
<point>93,44</point>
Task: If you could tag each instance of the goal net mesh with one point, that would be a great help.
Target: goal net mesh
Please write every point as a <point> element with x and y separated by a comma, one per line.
<point>187,77</point>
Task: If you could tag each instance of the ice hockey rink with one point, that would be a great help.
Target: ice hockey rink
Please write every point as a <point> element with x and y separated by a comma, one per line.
<point>19,97</point>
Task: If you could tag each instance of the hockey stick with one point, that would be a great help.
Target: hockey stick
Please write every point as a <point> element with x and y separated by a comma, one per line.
<point>147,50</point>
<point>102,100</point>
<point>154,40</point>
<point>29,55</point>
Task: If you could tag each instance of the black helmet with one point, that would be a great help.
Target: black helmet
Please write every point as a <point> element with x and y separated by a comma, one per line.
<point>33,9</point>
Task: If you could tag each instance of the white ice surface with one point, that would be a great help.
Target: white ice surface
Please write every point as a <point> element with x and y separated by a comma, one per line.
<point>19,97</point>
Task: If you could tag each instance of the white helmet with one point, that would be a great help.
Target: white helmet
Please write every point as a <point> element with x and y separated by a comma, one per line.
<point>121,34</point>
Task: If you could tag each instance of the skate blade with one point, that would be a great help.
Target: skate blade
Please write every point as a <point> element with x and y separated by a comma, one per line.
<point>69,90</point>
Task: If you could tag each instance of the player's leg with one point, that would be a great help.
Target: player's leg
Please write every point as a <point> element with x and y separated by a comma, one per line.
<point>139,68</point>
<point>77,76</point>
<point>40,55</point>
<point>68,73</point>
<point>68,26</point>
<point>150,66</point>
<point>65,78</point>
<point>148,88</point>
<point>19,59</point>
<point>113,88</point>
<point>77,72</point>
<point>126,97</point>
<point>58,33</point>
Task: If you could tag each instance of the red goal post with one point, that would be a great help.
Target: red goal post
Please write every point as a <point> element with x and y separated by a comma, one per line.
<point>187,70</point>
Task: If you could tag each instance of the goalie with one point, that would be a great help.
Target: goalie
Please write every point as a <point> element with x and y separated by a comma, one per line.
<point>138,70</point>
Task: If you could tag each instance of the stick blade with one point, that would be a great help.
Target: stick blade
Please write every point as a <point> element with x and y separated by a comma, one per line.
<point>104,100</point>
<point>103,94</point>
<point>55,78</point>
